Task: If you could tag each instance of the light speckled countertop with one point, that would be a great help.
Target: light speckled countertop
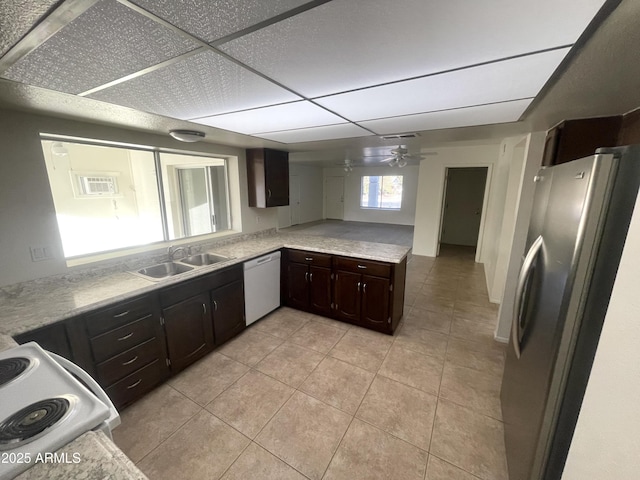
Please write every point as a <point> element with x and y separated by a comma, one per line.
<point>99,458</point>
<point>34,304</point>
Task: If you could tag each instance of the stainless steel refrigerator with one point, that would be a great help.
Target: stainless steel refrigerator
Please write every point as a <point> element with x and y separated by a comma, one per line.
<point>578,226</point>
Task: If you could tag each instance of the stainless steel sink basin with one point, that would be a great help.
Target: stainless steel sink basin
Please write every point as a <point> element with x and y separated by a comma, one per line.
<point>163,270</point>
<point>203,259</point>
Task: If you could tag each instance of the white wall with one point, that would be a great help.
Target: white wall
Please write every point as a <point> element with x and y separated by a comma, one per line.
<point>606,442</point>
<point>352,182</point>
<point>514,235</point>
<point>311,195</point>
<point>27,214</point>
<point>430,191</point>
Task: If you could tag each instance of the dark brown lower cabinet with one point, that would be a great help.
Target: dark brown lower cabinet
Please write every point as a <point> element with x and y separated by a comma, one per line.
<point>309,288</point>
<point>189,330</point>
<point>375,302</point>
<point>347,296</point>
<point>228,311</point>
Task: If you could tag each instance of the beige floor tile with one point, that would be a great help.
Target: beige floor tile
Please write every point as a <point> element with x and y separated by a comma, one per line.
<point>317,336</point>
<point>305,433</point>
<point>206,379</point>
<point>329,321</point>
<point>437,322</point>
<point>250,347</point>
<point>422,341</point>
<point>152,420</point>
<point>203,448</point>
<point>413,369</point>
<point>480,299</point>
<point>440,470</point>
<point>339,384</point>
<point>361,351</point>
<point>434,303</point>
<point>403,411</point>
<point>256,463</point>
<point>469,440</point>
<point>473,330</point>
<point>250,402</point>
<point>369,453</point>
<point>479,356</point>
<point>281,323</point>
<point>290,363</point>
<point>478,391</point>
<point>471,311</point>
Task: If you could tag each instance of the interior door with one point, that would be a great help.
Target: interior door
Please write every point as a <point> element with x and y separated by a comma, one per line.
<point>463,205</point>
<point>334,198</point>
<point>294,199</point>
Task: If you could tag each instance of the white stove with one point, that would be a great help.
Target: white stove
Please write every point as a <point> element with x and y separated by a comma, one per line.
<point>43,407</point>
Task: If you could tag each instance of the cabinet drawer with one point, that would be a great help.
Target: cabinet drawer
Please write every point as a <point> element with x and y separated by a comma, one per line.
<point>368,267</point>
<point>116,341</point>
<point>311,258</point>
<point>129,361</point>
<point>138,383</point>
<point>120,314</point>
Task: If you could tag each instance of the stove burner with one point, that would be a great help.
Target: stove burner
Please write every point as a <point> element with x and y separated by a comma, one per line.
<point>11,368</point>
<point>32,421</point>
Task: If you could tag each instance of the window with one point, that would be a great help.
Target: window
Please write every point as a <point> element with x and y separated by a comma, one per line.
<point>108,198</point>
<point>381,192</point>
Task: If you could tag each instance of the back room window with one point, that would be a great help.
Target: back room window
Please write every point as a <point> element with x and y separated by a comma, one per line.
<point>381,192</point>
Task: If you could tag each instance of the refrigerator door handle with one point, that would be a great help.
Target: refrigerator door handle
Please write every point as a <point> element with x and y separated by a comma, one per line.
<point>525,271</point>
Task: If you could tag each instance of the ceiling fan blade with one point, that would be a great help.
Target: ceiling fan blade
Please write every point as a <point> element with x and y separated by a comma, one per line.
<point>389,159</point>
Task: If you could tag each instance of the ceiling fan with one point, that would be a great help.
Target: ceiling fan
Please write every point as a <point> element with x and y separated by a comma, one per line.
<point>400,157</point>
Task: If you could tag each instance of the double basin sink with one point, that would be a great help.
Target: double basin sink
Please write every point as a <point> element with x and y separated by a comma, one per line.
<point>169,269</point>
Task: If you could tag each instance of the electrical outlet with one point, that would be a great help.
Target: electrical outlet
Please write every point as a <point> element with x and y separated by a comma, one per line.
<point>41,252</point>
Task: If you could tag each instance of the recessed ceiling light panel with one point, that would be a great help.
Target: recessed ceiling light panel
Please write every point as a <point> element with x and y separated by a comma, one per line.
<point>329,132</point>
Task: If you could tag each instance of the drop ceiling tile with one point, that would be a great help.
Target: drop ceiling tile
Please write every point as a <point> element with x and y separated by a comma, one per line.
<point>507,80</point>
<point>461,117</point>
<point>17,19</point>
<point>106,42</point>
<point>198,86</point>
<point>270,119</point>
<point>210,20</point>
<point>344,44</point>
<point>329,132</point>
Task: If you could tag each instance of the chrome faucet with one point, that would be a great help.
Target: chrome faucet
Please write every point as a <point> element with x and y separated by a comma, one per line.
<point>172,251</point>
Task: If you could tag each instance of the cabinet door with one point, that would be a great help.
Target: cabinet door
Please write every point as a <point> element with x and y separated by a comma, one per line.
<point>320,290</point>
<point>375,302</point>
<point>189,330</point>
<point>298,286</point>
<point>276,177</point>
<point>228,311</point>
<point>347,295</point>
<point>52,338</point>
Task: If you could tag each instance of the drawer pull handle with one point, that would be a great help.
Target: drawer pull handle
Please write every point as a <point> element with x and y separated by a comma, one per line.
<point>362,266</point>
<point>130,361</point>
<point>118,315</point>
<point>134,385</point>
<point>309,259</point>
<point>128,335</point>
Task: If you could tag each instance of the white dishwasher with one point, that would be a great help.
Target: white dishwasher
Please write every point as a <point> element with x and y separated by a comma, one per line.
<point>261,286</point>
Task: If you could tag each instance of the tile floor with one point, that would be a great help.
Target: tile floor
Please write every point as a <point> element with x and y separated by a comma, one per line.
<point>300,396</point>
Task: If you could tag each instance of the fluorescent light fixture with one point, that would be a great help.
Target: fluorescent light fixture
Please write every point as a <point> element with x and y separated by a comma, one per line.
<point>329,132</point>
<point>189,136</point>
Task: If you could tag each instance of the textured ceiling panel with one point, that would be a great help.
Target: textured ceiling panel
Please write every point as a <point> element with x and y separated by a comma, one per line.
<point>345,130</point>
<point>17,18</point>
<point>210,20</point>
<point>346,44</point>
<point>507,80</point>
<point>107,42</point>
<point>275,118</point>
<point>201,85</point>
<point>461,117</point>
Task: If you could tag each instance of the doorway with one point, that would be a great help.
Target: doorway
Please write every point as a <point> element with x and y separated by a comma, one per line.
<point>334,198</point>
<point>294,199</point>
<point>462,207</point>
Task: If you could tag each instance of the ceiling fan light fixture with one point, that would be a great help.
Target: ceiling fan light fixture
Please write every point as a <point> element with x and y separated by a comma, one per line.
<point>58,149</point>
<point>189,136</point>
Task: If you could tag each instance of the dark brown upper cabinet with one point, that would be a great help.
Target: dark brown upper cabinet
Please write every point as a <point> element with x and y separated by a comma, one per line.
<point>579,138</point>
<point>268,177</point>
